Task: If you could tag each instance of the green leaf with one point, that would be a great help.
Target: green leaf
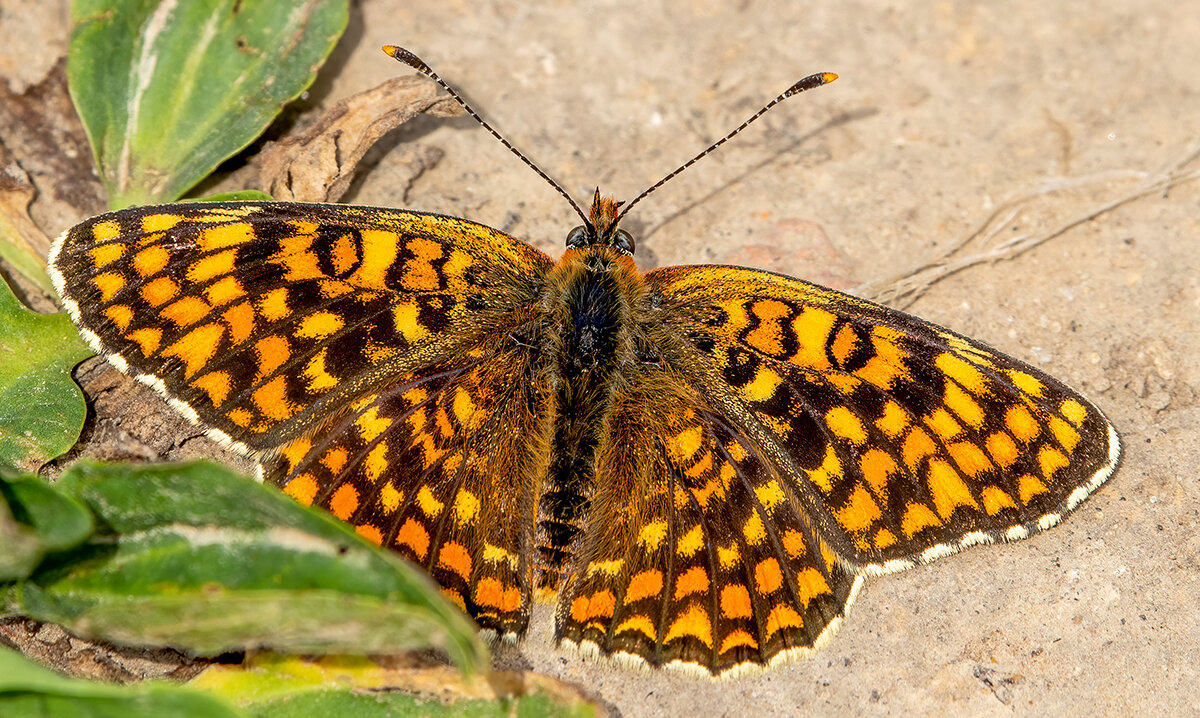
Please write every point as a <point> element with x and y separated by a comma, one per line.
<point>41,408</point>
<point>168,89</point>
<point>270,686</point>
<point>28,690</point>
<point>197,557</point>
<point>35,519</point>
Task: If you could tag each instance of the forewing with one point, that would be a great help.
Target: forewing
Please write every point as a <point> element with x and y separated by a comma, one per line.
<point>904,441</point>
<point>440,466</point>
<point>257,318</point>
<point>696,555</point>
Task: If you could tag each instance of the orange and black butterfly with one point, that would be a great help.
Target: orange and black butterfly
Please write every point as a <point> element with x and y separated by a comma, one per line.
<point>702,462</point>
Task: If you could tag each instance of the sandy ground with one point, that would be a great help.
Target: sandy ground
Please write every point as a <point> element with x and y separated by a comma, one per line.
<point>944,111</point>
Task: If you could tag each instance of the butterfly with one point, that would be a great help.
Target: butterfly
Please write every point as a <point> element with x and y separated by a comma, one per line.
<point>701,463</point>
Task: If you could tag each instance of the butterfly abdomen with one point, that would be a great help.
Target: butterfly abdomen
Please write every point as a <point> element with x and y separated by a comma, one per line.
<point>591,315</point>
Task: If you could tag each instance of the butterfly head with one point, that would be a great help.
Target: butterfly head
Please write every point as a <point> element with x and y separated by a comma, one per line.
<point>601,227</point>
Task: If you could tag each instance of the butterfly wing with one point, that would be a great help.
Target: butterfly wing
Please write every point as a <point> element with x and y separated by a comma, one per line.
<point>697,555</point>
<point>440,465</point>
<point>253,318</point>
<point>780,441</point>
<point>901,441</point>
<point>366,355</point>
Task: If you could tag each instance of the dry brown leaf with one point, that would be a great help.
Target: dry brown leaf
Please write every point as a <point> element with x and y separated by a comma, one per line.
<point>318,164</point>
<point>22,244</point>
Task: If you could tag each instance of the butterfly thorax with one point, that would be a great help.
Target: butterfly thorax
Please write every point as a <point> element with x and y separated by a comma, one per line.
<point>591,303</point>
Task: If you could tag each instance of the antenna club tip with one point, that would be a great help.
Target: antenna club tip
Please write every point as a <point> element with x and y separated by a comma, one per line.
<point>829,77</point>
<point>390,50</point>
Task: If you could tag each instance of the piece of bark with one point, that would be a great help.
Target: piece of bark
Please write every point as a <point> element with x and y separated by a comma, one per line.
<point>318,164</point>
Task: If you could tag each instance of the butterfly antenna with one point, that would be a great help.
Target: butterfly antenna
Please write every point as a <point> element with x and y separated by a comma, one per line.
<point>808,83</point>
<point>419,65</point>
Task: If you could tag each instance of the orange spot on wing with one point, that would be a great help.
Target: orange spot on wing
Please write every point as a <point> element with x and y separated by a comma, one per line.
<point>641,624</point>
<point>295,452</point>
<point>736,639</point>
<point>274,304</point>
<point>694,580</point>
<point>240,319</point>
<point>344,501</point>
<point>390,498</point>
<point>428,504</point>
<point>216,384</point>
<point>782,617</point>
<point>1002,448</point>
<point>491,592</point>
<point>213,265</point>
<point>379,249</point>
<point>1021,423</point>
<point>917,445</point>
<point>271,351</point>
<point>693,622</point>
<point>844,344</point>
<point>894,420</point>
<point>224,291</point>
<point>370,533</point>
<point>1051,460</point>
<point>916,518</point>
<point>768,335</point>
<point>860,511</point>
<point>414,536</point>
<point>319,325</point>
<point>271,399</point>
<point>794,543</point>
<point>150,260</point>
<point>970,458</point>
<point>644,585</point>
<point>1026,382</point>
<point>598,605</point>
<point>963,372</point>
<point>962,404</point>
<point>109,283</point>
<point>186,311</point>
<point>1028,487</point>
<point>106,230</point>
<point>371,425</point>
<point>948,489</point>
<point>943,424</point>
<point>735,602</point>
<point>159,291</point>
<point>454,557</point>
<point>106,254</point>
<point>160,222</point>
<point>995,500</point>
<point>227,235</point>
<point>691,542</point>
<point>197,347</point>
<point>466,507</point>
<point>767,576</point>
<point>303,488</point>
<point>319,378</point>
<point>810,583</point>
<point>878,467</point>
<point>884,539</point>
<point>1074,411</point>
<point>406,317</point>
<point>1064,432</point>
<point>120,315</point>
<point>753,530</point>
<point>846,424</point>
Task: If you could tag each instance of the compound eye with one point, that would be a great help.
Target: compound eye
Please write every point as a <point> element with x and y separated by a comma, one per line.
<point>623,241</point>
<point>577,237</point>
